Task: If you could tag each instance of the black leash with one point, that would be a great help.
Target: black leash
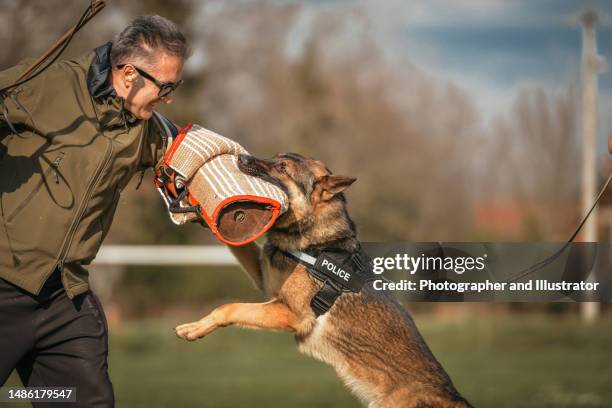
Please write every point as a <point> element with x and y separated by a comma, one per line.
<point>550,259</point>
<point>545,262</point>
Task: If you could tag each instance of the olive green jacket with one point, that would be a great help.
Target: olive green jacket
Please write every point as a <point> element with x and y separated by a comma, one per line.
<point>75,150</point>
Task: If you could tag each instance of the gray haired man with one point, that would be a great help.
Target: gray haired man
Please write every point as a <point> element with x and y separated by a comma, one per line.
<point>84,128</point>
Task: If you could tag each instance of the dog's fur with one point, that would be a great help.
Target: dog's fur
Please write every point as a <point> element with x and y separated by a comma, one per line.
<point>368,337</point>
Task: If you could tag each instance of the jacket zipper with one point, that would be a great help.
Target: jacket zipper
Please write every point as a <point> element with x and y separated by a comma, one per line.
<point>68,240</point>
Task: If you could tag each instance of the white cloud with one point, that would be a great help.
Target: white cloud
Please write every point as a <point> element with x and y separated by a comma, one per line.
<point>452,13</point>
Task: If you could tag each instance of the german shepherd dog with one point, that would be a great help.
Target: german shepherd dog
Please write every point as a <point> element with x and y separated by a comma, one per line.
<point>367,336</point>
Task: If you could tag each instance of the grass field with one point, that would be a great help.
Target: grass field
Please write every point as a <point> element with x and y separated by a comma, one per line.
<point>506,361</point>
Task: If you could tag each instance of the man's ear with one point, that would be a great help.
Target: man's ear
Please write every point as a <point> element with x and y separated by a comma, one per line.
<point>330,185</point>
<point>129,75</point>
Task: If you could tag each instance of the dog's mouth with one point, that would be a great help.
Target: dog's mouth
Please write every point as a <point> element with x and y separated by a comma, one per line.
<point>252,166</point>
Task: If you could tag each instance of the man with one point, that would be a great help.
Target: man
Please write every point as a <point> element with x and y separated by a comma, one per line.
<point>83,128</point>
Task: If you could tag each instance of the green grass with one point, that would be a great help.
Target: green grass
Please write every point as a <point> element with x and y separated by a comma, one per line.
<point>230,368</point>
<point>526,361</point>
<point>495,361</point>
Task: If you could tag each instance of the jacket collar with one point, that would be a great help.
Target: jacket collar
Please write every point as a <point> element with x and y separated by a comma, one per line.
<point>110,105</point>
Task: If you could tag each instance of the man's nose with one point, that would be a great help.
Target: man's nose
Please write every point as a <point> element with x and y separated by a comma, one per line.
<point>166,99</point>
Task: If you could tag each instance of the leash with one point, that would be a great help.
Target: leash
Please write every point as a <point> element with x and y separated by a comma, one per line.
<point>550,259</point>
<point>545,262</point>
<point>95,6</point>
<point>90,12</point>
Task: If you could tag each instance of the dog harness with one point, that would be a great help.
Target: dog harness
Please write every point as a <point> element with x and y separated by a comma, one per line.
<point>340,271</point>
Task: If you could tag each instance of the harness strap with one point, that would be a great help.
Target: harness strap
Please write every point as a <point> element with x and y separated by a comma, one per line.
<point>170,130</point>
<point>332,288</point>
<point>169,182</point>
<point>303,257</point>
<point>325,298</point>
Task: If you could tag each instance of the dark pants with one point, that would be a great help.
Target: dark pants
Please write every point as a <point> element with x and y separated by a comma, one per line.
<point>53,341</point>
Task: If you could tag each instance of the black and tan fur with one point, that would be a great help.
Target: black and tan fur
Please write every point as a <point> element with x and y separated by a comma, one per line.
<point>368,337</point>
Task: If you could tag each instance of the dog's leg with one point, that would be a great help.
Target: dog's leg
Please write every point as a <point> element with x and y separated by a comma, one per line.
<point>249,258</point>
<point>272,315</point>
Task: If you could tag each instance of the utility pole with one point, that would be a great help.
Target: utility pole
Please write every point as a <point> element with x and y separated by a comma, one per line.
<point>589,70</point>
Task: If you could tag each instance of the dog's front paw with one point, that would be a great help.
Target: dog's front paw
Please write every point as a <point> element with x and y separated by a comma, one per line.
<point>195,330</point>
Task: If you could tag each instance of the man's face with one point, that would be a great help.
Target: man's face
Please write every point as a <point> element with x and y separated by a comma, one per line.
<point>140,93</point>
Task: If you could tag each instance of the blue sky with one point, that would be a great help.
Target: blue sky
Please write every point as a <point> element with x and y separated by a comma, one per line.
<point>492,48</point>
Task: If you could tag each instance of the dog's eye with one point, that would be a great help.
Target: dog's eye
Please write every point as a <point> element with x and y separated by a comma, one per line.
<point>282,167</point>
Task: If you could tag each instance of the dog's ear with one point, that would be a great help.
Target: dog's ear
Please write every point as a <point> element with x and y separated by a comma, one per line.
<point>326,187</point>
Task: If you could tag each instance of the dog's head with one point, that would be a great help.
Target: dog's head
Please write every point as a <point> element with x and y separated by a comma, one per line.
<point>310,186</point>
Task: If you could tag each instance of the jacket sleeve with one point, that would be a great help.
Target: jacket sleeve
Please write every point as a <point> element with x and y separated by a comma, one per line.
<point>155,143</point>
<point>18,106</point>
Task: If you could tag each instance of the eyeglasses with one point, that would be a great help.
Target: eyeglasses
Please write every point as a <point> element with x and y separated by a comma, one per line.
<point>165,88</point>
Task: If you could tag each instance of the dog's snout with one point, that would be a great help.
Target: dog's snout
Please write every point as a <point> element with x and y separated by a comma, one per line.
<point>243,159</point>
<point>249,165</point>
